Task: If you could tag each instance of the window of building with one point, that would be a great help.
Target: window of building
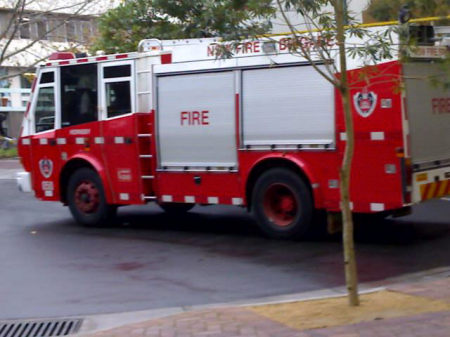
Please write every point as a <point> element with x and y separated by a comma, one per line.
<point>24,82</point>
<point>56,31</point>
<point>71,32</point>
<point>41,28</point>
<point>86,30</point>
<point>78,94</point>
<point>24,31</point>
<point>51,33</point>
<point>5,82</point>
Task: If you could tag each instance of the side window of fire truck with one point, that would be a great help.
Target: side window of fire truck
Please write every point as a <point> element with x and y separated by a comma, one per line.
<point>117,81</point>
<point>44,112</point>
<point>78,94</point>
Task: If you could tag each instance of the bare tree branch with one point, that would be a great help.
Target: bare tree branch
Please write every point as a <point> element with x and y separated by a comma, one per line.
<point>304,53</point>
<point>16,22</point>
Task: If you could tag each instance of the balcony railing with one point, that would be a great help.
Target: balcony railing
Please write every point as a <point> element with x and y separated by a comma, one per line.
<point>17,99</point>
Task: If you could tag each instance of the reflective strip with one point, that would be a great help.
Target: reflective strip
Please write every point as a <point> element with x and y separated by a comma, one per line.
<point>43,141</point>
<point>343,136</point>
<point>189,199</point>
<point>167,198</point>
<point>61,141</point>
<point>26,141</point>
<point>237,201</point>
<point>444,186</point>
<point>213,200</point>
<point>119,140</point>
<point>333,183</point>
<point>390,168</point>
<point>377,135</point>
<point>431,189</point>
<point>423,189</point>
<point>79,140</point>
<point>99,140</point>
<point>376,207</point>
<point>315,185</point>
<point>124,196</point>
<point>48,193</point>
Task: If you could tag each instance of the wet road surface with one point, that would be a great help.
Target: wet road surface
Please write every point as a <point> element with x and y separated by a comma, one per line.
<point>52,267</point>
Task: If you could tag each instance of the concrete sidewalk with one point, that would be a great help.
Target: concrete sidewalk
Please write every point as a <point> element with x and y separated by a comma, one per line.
<point>405,309</point>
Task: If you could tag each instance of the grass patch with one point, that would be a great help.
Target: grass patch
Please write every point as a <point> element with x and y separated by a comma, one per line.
<point>331,312</point>
<point>8,153</point>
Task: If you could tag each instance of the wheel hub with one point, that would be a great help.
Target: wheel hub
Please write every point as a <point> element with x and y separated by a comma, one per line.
<point>280,204</point>
<point>87,197</point>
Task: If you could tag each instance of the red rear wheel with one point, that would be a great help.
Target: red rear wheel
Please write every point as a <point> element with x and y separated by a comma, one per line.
<point>282,204</point>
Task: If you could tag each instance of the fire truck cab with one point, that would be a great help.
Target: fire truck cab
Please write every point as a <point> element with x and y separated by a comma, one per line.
<point>175,125</point>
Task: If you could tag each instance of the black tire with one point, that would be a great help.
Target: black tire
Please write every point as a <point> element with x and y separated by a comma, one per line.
<point>176,208</point>
<point>86,199</point>
<point>282,204</point>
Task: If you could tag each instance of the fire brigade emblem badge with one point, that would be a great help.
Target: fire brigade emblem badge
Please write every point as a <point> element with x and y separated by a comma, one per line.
<point>46,167</point>
<point>365,102</point>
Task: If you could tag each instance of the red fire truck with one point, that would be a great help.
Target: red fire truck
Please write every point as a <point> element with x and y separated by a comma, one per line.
<point>172,124</point>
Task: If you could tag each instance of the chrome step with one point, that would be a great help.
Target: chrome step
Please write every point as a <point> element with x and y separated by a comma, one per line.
<point>148,177</point>
<point>148,197</point>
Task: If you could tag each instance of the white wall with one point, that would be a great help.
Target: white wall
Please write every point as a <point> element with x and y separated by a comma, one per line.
<point>356,7</point>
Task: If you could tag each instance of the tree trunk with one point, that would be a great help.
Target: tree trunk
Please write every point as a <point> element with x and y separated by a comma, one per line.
<point>347,238</point>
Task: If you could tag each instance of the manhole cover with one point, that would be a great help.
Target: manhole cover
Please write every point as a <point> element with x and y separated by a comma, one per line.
<point>39,328</point>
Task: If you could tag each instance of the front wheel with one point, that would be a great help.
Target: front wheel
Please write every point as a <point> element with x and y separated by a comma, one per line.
<point>86,199</point>
<point>282,204</point>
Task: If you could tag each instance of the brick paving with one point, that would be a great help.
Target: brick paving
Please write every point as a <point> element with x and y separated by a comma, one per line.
<point>209,323</point>
<point>437,289</point>
<point>240,321</point>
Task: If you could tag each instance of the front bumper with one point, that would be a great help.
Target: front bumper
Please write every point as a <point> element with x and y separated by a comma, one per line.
<point>23,180</point>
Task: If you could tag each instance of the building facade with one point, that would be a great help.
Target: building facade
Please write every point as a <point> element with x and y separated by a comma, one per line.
<point>355,7</point>
<point>31,35</point>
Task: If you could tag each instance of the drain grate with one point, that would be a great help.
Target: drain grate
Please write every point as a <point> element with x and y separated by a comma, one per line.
<point>39,328</point>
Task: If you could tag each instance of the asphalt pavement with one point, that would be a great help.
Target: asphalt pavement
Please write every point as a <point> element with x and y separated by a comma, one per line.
<point>52,267</point>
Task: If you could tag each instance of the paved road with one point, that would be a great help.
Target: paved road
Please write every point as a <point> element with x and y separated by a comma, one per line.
<point>52,267</point>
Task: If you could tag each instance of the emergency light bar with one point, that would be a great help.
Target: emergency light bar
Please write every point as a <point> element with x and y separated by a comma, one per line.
<point>62,55</point>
